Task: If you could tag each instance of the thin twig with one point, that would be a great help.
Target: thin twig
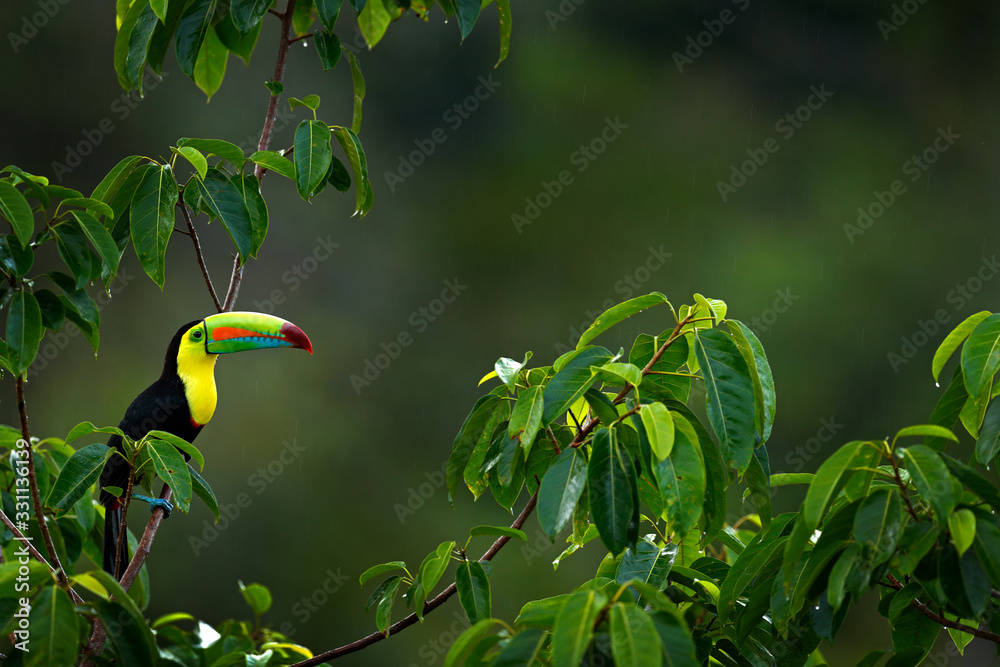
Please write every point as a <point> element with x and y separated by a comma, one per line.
<point>34,552</point>
<point>902,487</point>
<point>126,500</point>
<point>946,622</point>
<point>198,253</point>
<point>429,606</point>
<point>36,497</point>
<point>146,542</point>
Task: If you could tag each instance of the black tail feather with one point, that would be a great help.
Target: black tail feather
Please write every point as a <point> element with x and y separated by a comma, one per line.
<point>112,529</point>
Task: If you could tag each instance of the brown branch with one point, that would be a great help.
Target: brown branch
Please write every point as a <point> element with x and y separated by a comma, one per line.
<point>36,497</point>
<point>146,542</point>
<point>19,536</point>
<point>946,622</point>
<point>265,135</point>
<point>198,253</point>
<point>429,606</point>
<point>126,501</point>
<point>902,487</point>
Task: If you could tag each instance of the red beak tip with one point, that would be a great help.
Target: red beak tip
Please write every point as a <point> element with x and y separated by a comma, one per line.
<point>296,337</point>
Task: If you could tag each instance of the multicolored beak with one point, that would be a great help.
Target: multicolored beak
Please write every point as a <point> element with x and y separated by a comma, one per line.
<point>236,332</point>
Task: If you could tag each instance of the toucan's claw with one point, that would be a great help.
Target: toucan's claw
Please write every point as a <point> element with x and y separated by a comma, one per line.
<point>155,503</point>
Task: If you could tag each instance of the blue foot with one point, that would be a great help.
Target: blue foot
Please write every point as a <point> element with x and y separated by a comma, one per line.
<point>154,503</point>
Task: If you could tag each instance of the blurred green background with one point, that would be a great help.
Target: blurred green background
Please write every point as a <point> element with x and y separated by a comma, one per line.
<point>361,484</point>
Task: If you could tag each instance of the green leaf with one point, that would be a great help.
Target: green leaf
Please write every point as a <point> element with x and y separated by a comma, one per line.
<point>122,48</point>
<point>358,83</point>
<point>338,176</point>
<point>647,563</point>
<point>914,633</point>
<point>194,25</point>
<point>16,210</point>
<point>163,34</point>
<point>138,44</point>
<point>376,570</point>
<point>629,373</point>
<point>973,481</point>
<point>312,156</point>
<point>659,428</point>
<point>918,539</point>
<point>431,569</point>
<point>257,596</point>
<point>226,203</point>
<point>53,623</point>
<point>526,419</point>
<point>574,627</point>
<point>953,340</point>
<point>24,330</point>
<point>275,162</point>
<point>760,373</point>
<point>878,523</point>
<point>78,474</point>
<point>601,406</point>
<point>53,312</point>
<point>729,395</point>
<point>159,8</point>
<point>204,492</point>
<point>498,530</point>
<point>242,45</point>
<point>932,479</point>
<point>16,260</point>
<point>987,548</point>
<point>750,563</point>
<point>311,102</point>
<point>152,220</point>
<point>467,438</point>
<point>981,354</point>
<point>181,444</point>
<point>759,485</point>
<point>249,188</point>
<point>373,21</point>
<point>929,430</point>
<point>681,480</point>
<point>988,441</point>
<point>473,590</point>
<point>327,11</point>
<point>660,383</point>
<point>359,165</point>
<point>195,157</point>
<point>110,184</point>
<point>467,11</point>
<point>134,643</point>
<point>468,640</point>
<point>560,490</point>
<point>617,313</point>
<point>302,19</point>
<point>73,250</point>
<point>830,479</point>
<point>247,14</point>
<point>611,501</point>
<point>962,526</point>
<point>503,10</point>
<point>100,239</point>
<point>634,641</point>
<point>571,382</point>
<point>328,49</point>
<point>224,149</point>
<point>508,370</point>
<point>171,468</point>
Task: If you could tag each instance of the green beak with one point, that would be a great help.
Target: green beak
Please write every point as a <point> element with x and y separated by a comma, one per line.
<point>236,332</point>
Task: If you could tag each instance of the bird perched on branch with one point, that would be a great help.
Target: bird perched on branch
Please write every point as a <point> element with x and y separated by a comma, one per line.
<point>182,401</point>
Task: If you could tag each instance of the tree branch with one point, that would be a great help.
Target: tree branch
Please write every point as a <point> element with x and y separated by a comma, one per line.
<point>36,497</point>
<point>429,606</point>
<point>198,253</point>
<point>946,622</point>
<point>146,542</point>
<point>26,541</point>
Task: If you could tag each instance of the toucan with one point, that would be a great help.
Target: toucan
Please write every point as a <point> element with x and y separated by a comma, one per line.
<point>183,400</point>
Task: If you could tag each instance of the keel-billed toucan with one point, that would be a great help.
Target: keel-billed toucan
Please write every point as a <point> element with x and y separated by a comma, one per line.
<point>183,400</point>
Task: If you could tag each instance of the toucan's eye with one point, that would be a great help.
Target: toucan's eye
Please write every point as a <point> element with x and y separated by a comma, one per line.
<point>196,334</point>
